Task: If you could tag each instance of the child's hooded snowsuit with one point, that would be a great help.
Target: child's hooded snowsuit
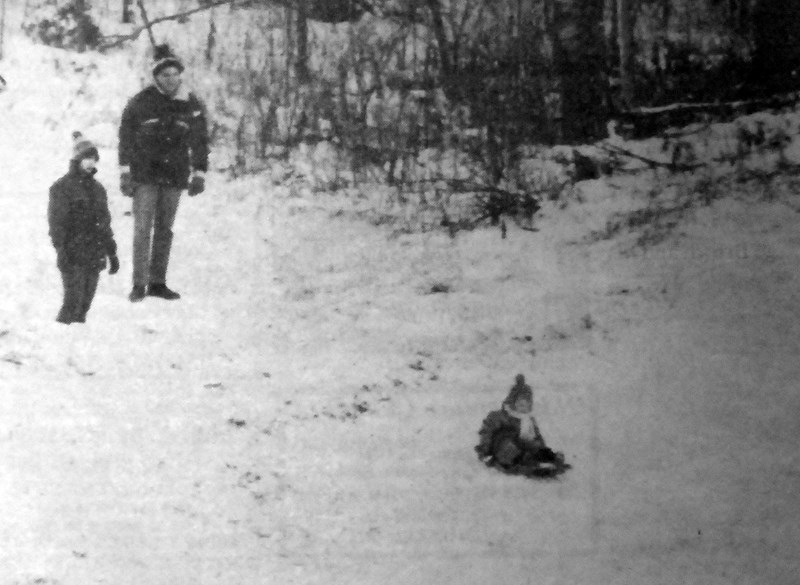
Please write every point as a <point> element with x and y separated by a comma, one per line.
<point>80,229</point>
<point>509,437</point>
<point>501,437</point>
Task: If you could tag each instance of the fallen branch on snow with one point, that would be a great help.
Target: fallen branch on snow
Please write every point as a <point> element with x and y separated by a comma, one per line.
<point>652,121</point>
<point>652,163</point>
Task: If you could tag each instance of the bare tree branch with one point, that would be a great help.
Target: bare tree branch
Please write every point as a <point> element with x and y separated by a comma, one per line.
<point>446,60</point>
<point>147,24</point>
<point>652,163</point>
<point>116,40</point>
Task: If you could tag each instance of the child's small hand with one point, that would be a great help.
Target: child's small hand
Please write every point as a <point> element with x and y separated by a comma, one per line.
<point>113,265</point>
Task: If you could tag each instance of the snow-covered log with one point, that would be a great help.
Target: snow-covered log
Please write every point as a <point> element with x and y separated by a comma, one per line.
<point>650,121</point>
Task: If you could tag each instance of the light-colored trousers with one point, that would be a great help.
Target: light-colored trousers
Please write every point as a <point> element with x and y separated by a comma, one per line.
<point>154,209</point>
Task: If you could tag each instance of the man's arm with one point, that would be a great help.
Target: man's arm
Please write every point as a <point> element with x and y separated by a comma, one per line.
<point>126,132</point>
<point>199,135</point>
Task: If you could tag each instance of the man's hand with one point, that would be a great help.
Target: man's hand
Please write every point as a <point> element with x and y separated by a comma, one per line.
<point>126,185</point>
<point>197,184</point>
<point>113,264</point>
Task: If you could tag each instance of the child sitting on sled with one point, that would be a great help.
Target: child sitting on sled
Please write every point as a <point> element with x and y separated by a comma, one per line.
<point>510,438</point>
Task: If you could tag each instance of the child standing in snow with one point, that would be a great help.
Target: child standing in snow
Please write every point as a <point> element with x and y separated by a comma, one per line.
<point>510,437</point>
<point>80,229</point>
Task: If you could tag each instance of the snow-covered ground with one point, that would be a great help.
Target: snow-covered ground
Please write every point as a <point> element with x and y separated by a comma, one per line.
<point>306,413</point>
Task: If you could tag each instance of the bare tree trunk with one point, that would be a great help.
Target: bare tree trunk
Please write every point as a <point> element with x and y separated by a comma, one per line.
<point>80,10</point>
<point>776,28</point>
<point>688,14</point>
<point>554,118</point>
<point>743,17</point>
<point>443,45</point>
<point>146,22</point>
<point>211,39</point>
<point>2,26</point>
<point>301,63</point>
<point>127,13</point>
<point>612,34</point>
<point>579,61</point>
<point>625,31</point>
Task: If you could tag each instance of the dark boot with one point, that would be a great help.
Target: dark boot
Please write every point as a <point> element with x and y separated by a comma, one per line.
<point>162,291</point>
<point>137,293</point>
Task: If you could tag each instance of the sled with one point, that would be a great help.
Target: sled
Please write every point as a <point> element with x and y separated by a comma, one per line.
<point>541,470</point>
<point>533,468</point>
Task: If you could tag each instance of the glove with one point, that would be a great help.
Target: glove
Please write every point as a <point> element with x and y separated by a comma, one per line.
<point>197,185</point>
<point>113,264</point>
<point>126,185</point>
<point>61,259</point>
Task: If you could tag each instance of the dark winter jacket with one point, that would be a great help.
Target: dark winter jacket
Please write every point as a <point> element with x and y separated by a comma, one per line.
<point>498,426</point>
<point>80,224</point>
<point>163,138</point>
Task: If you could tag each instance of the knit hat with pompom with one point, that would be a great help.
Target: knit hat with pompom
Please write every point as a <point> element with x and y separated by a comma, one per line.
<point>519,390</point>
<point>163,57</point>
<point>83,147</point>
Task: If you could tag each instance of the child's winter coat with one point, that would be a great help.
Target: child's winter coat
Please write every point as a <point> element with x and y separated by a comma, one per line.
<point>80,223</point>
<point>80,228</point>
<point>505,436</point>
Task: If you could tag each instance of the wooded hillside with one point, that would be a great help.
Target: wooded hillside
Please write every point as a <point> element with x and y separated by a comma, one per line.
<point>385,79</point>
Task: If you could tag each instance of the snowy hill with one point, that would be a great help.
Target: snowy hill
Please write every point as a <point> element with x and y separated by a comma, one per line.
<point>306,413</point>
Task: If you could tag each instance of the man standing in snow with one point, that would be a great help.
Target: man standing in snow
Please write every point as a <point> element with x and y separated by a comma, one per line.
<point>163,149</point>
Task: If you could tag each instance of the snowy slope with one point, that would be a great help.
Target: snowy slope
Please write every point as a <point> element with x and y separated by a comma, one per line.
<point>306,413</point>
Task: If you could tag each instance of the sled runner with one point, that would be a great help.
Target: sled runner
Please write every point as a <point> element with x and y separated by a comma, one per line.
<point>531,466</point>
